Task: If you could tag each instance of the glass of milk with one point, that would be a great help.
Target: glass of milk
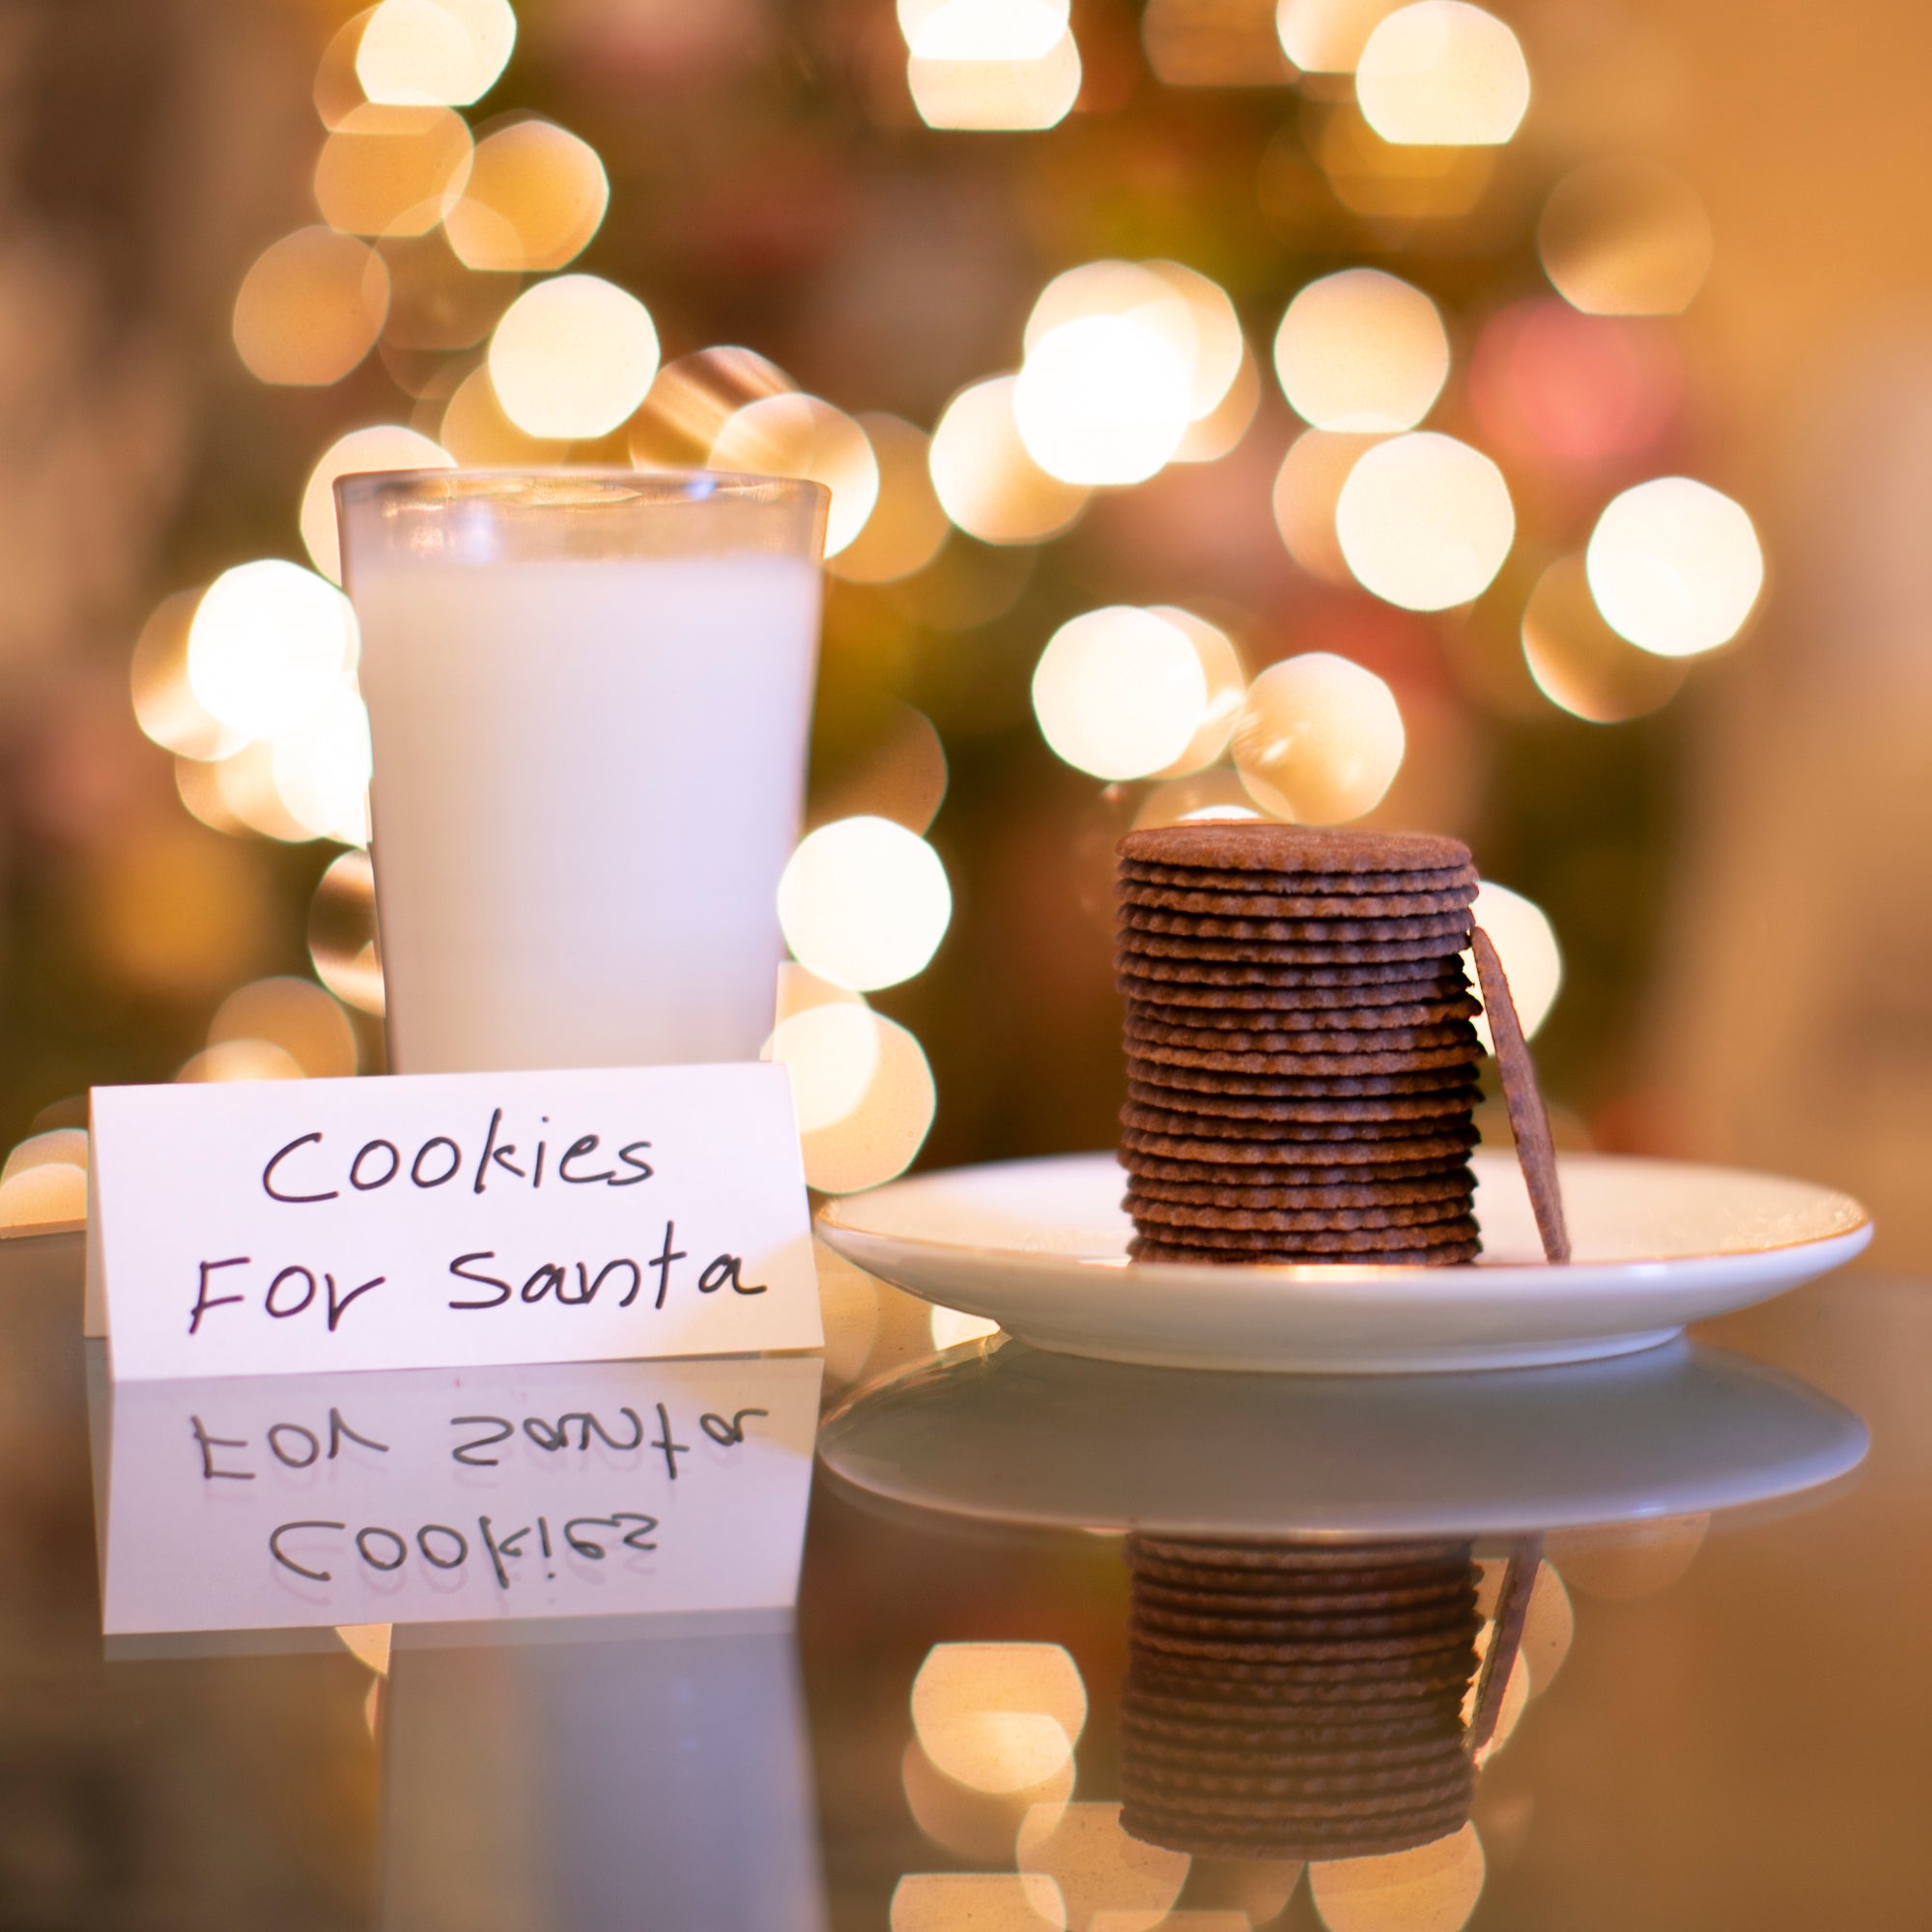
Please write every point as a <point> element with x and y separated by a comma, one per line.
<point>589,693</point>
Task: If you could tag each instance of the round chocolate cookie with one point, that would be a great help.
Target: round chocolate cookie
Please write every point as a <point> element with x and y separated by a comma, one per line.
<point>1261,901</point>
<point>1317,1079</point>
<point>1395,978</point>
<point>1198,952</point>
<point>1455,1184</point>
<point>1304,1066</point>
<point>1286,1251</point>
<point>1289,1171</point>
<point>1245,1595</point>
<point>1134,922</point>
<point>1296,1040</point>
<point>1314,885</point>
<point>1307,1101</point>
<point>1391,1224</point>
<point>1381,1559</point>
<point>1146,1139</point>
<point>1271,1012</point>
<point>1314,1119</point>
<point>1449,1230</point>
<point>1250,845</point>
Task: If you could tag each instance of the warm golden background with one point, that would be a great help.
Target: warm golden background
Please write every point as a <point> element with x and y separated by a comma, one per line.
<point>1732,876</point>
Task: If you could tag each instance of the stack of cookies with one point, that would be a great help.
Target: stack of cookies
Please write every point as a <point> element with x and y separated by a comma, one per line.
<point>1301,1067</point>
<point>1290,1700</point>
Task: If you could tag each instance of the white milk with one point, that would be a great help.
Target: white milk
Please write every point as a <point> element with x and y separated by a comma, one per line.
<point>588,776</point>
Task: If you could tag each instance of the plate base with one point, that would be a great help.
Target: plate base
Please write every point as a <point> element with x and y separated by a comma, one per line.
<point>1380,1360</point>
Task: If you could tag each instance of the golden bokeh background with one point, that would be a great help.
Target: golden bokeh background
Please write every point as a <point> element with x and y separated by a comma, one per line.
<point>1495,419</point>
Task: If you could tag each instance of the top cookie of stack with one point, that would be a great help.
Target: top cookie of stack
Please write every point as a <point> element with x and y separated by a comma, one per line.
<point>1301,1067</point>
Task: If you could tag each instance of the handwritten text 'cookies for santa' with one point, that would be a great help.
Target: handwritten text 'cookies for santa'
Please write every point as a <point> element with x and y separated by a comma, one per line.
<point>453,1219</point>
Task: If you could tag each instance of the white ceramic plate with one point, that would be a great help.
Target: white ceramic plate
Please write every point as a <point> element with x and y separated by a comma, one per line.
<point>1039,1246</point>
<point>1001,1433</point>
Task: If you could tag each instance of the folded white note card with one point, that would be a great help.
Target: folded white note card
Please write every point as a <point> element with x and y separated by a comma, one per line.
<point>445,1220</point>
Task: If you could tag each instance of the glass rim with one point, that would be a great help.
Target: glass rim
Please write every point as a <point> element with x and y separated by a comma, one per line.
<point>566,486</point>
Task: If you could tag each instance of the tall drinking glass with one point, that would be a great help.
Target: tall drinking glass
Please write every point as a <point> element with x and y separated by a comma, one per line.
<point>589,693</point>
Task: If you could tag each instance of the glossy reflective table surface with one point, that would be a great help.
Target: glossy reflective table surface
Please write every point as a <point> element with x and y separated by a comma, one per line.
<point>654,1645</point>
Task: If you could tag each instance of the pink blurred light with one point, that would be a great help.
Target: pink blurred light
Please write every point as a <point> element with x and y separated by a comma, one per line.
<point>1570,391</point>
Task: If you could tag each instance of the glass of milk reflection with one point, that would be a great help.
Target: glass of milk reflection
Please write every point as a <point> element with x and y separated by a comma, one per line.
<point>589,693</point>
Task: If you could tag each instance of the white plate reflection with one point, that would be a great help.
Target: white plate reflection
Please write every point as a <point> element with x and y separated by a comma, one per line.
<point>1002,1431</point>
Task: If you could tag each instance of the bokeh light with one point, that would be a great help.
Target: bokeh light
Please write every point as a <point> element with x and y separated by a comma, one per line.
<point>1105,399</point>
<point>1120,692</point>
<point>338,88</point>
<point>800,436</point>
<point>380,447</point>
<point>1625,1562</point>
<point>863,1091</point>
<point>984,1901</point>
<point>1211,436</point>
<point>534,198</point>
<point>435,306</point>
<point>435,52</point>
<point>572,357</point>
<point>43,1183</point>
<point>199,785</point>
<point>1425,522</point>
<point>166,705</point>
<point>1206,795</point>
<point>310,308</point>
<point>1328,36</point>
<point>950,1326</point>
<point>1104,1874</point>
<point>1548,1628</point>
<point>694,398</point>
<point>1188,311</point>
<point>984,478</point>
<point>1582,665</point>
<point>268,642</point>
<point>995,65</point>
<point>1432,1888</point>
<point>901,775</point>
<point>1553,386</point>
<point>1675,566</point>
<point>241,1059</point>
<point>1624,236</point>
<point>998,1716</point>
<point>865,902</point>
<point>474,430</point>
<point>981,1825</point>
<point>1226,679</point>
<point>907,525</point>
<point>1442,73</point>
<point>1525,943</point>
<point>393,170</point>
<point>342,933</point>
<point>849,1308</point>
<point>1217,347</point>
<point>321,767</point>
<point>1319,740</point>
<point>1307,487</point>
<point>246,796</point>
<point>1361,350</point>
<point>297,1016</point>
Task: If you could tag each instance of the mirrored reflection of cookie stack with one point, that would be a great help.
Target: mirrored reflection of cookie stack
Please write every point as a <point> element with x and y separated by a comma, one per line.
<point>1290,1700</point>
<point>1301,1067</point>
